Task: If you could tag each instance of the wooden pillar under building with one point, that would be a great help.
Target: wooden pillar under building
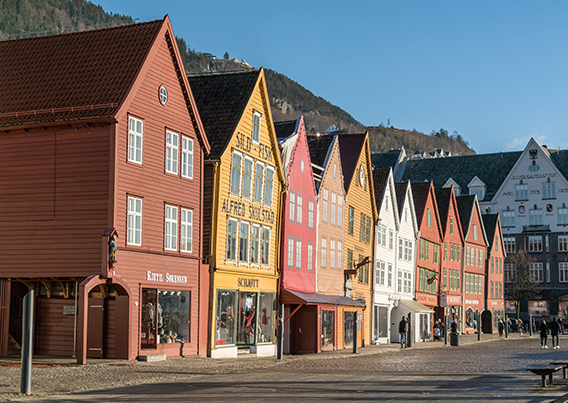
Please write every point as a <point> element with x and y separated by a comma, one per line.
<point>82,321</point>
<point>4,315</point>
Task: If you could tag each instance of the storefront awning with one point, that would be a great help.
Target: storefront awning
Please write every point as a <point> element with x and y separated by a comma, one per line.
<point>306,298</point>
<point>415,305</point>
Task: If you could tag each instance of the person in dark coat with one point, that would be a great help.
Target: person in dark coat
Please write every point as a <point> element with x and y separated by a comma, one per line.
<point>554,331</point>
<point>501,326</point>
<point>403,330</point>
<point>543,334</point>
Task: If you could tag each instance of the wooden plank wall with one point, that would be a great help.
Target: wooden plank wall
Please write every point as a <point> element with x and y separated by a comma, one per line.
<point>53,330</point>
<point>4,315</point>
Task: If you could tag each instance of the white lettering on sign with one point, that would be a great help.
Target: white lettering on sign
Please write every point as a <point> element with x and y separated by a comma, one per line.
<point>172,278</point>
<point>154,276</point>
<point>454,299</point>
<point>533,176</point>
<point>472,302</point>
<point>493,303</point>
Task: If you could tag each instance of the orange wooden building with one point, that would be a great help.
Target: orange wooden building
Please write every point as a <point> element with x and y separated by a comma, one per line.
<point>102,152</point>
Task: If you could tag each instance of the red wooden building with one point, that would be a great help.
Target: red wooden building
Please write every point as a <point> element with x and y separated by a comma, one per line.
<point>100,137</point>
<point>494,304</point>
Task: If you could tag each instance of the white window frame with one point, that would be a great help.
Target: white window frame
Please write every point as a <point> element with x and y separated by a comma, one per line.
<point>246,237</point>
<point>172,152</point>
<point>562,216</point>
<point>135,136</point>
<point>563,272</point>
<point>380,272</point>
<point>310,214</point>
<point>548,190</point>
<point>170,227</point>
<point>536,272</point>
<point>256,125</point>
<point>324,252</point>
<point>332,253</point>
<point>253,257</point>
<point>134,221</point>
<point>333,202</point>
<point>292,207</point>
<point>186,157</point>
<point>340,210</point>
<point>508,218</point>
<point>299,210</point>
<point>236,173</point>
<point>235,240</point>
<point>521,191</point>
<point>186,232</point>
<point>339,261</point>
<point>535,216</point>
<point>310,257</point>
<point>510,244</point>
<point>562,243</point>
<point>535,243</point>
<point>260,183</point>
<point>290,263</point>
<point>268,185</point>
<point>509,272</point>
<point>298,254</point>
<point>265,245</point>
<point>247,193</point>
<point>324,206</point>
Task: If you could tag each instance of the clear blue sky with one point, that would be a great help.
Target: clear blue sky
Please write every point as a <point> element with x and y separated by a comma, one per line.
<point>495,71</point>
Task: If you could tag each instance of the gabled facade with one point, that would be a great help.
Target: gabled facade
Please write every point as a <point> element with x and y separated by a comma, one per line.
<point>386,231</point>
<point>473,261</point>
<point>428,261</point>
<point>106,201</point>
<point>405,265</point>
<point>361,214</point>
<point>496,254</point>
<point>451,291</point>
<point>242,216</point>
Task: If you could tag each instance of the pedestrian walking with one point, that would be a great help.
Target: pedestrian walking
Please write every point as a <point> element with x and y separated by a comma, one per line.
<point>438,330</point>
<point>554,331</point>
<point>403,330</point>
<point>561,325</point>
<point>501,326</point>
<point>543,334</point>
<point>520,326</point>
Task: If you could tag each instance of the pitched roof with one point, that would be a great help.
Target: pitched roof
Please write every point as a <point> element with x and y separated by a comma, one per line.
<point>380,178</point>
<point>350,146</point>
<point>221,100</point>
<point>420,191</point>
<point>465,208</point>
<point>385,160</point>
<point>490,224</point>
<point>400,191</point>
<point>285,129</point>
<point>76,76</point>
<point>560,159</point>
<point>443,197</point>
<point>492,169</point>
<point>319,148</point>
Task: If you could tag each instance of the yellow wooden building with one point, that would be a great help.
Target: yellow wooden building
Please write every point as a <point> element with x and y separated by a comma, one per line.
<point>243,184</point>
<point>360,218</point>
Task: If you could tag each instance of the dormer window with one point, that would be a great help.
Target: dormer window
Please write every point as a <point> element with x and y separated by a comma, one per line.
<point>477,187</point>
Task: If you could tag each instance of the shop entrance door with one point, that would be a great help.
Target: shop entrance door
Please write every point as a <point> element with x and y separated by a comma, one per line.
<point>95,323</point>
<point>486,321</point>
<point>4,315</point>
<point>348,323</point>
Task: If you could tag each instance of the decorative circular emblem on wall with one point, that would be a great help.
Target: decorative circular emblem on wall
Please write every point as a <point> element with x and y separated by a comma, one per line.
<point>163,95</point>
<point>549,208</point>
<point>522,209</point>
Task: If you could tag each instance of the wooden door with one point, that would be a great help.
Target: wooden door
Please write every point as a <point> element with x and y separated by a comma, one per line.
<point>486,322</point>
<point>4,315</point>
<point>95,328</point>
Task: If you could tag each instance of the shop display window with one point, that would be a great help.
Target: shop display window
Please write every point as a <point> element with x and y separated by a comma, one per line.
<point>327,329</point>
<point>266,317</point>
<point>247,318</point>
<point>469,318</point>
<point>225,321</point>
<point>348,323</point>
<point>165,317</point>
<point>538,308</point>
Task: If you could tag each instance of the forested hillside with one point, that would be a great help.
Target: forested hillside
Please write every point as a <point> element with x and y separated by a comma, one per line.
<point>289,99</point>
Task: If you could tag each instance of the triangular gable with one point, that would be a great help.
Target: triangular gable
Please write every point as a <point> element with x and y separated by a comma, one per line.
<point>468,207</point>
<point>383,183</point>
<point>166,31</point>
<point>446,198</point>
<point>422,192</point>
<point>450,182</point>
<point>476,182</point>
<point>404,199</point>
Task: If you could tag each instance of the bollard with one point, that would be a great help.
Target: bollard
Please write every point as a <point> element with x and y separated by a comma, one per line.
<point>530,325</point>
<point>506,326</point>
<point>479,322</point>
<point>410,333</point>
<point>27,338</point>
<point>280,347</point>
<point>446,327</point>
<point>355,333</point>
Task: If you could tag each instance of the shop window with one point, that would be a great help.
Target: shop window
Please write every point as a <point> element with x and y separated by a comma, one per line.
<point>165,317</point>
<point>266,319</point>
<point>469,318</point>
<point>348,318</point>
<point>225,319</point>
<point>538,308</point>
<point>246,333</point>
<point>327,329</point>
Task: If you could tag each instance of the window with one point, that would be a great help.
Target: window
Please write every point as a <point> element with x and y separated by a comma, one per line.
<point>256,118</point>
<point>380,273</point>
<point>158,308</point>
<point>135,136</point>
<point>368,231</point>
<point>187,157</point>
<point>408,250</point>
<point>536,272</point>
<point>455,280</point>
<point>475,232</point>
<point>172,144</point>
<point>382,236</point>
<point>563,272</point>
<point>290,252</point>
<point>510,244</point>
<point>247,175</point>
<point>339,255</point>
<point>492,265</point>
<point>548,190</point>
<point>171,228</point>
<point>349,260</point>
<point>258,175</point>
<point>340,211</point>
<point>445,251</point>
<point>363,223</point>
<point>389,276</point>
<point>310,257</point>
<point>268,186</point>
<point>521,191</point>
<point>435,254</point>
<point>244,242</point>
<point>429,217</point>
<point>186,230</point>
<point>324,207</point>
<point>563,243</point>
<point>400,246</point>
<point>310,214</point>
<point>232,240</point>
<point>563,216</point>
<point>391,239</point>
<point>333,203</point>
<point>265,246</point>
<point>351,220</point>
<point>292,214</point>
<point>424,249</point>
<point>535,243</point>
<point>508,218</point>
<point>451,225</point>
<point>509,273</point>
<point>298,254</point>
<point>134,221</point>
<point>254,244</point>
<point>323,252</point>
<point>332,254</point>
<point>535,217</point>
<point>236,173</point>
<point>163,95</point>
<point>299,209</point>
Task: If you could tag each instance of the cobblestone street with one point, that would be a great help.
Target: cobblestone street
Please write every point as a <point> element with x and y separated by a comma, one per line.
<point>474,371</point>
